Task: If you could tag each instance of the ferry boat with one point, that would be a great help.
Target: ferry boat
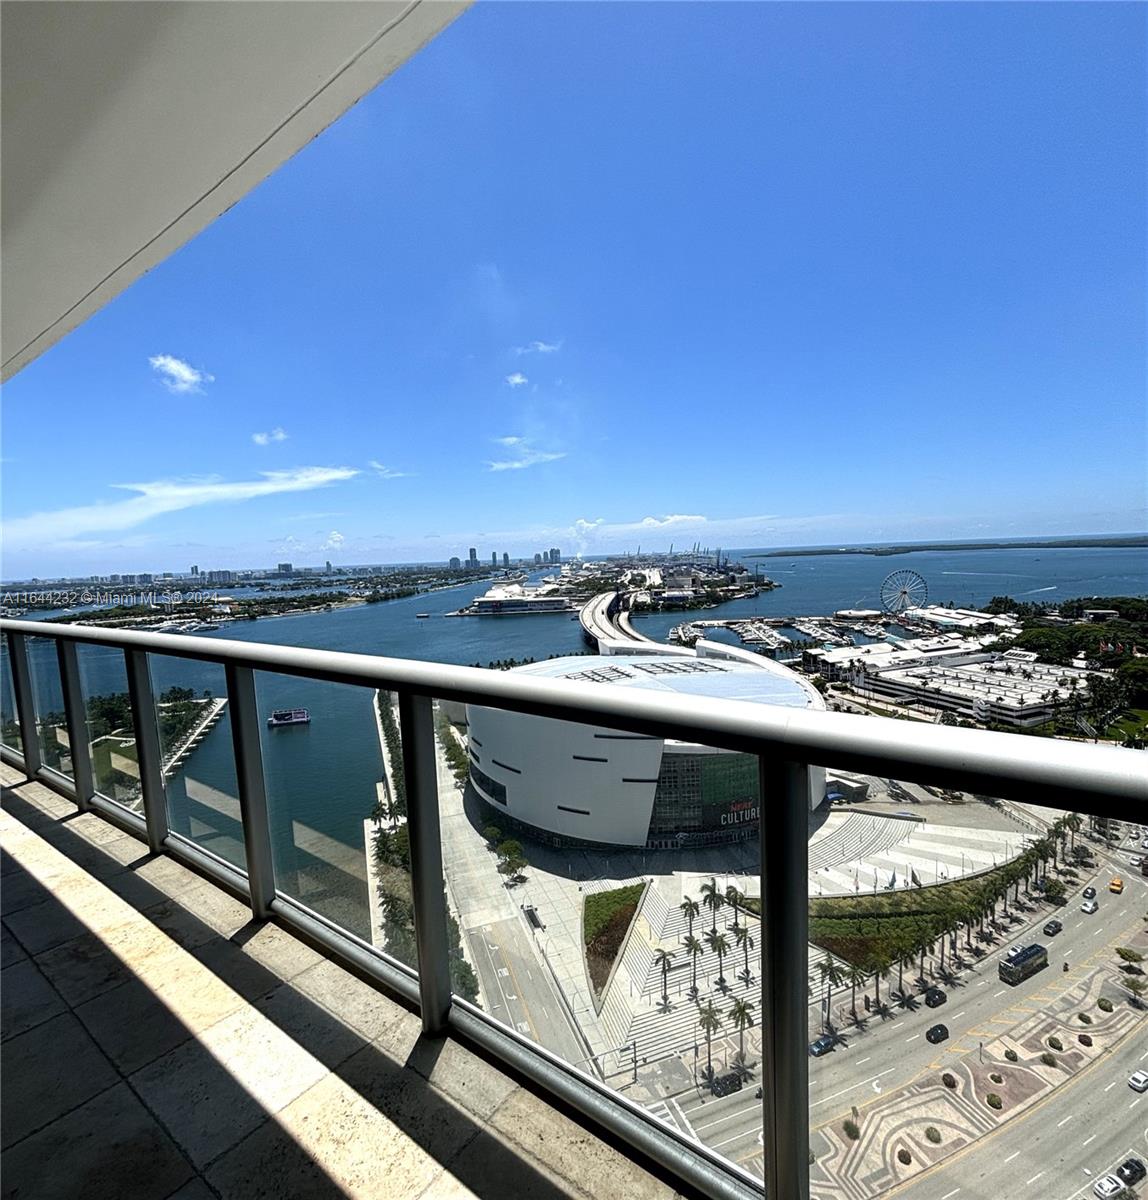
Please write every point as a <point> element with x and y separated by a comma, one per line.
<point>289,716</point>
<point>421,616</point>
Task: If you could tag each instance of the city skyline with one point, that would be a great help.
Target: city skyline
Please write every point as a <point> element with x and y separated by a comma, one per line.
<point>434,327</point>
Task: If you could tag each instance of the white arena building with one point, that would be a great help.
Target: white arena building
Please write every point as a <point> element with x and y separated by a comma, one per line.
<point>570,784</point>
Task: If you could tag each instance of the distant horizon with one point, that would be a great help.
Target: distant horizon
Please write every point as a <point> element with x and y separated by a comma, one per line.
<point>1066,541</point>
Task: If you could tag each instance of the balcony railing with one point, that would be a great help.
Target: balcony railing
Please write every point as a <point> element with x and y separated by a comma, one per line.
<point>1101,781</point>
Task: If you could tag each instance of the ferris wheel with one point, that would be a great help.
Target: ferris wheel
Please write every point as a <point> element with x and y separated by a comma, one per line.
<point>902,590</point>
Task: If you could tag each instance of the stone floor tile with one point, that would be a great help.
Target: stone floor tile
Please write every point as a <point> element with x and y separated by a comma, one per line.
<point>573,1153</point>
<point>10,949</point>
<point>195,1190</point>
<point>82,968</point>
<point>488,1166</point>
<point>48,1071</point>
<point>358,1004</point>
<point>107,1149</point>
<point>227,962</point>
<point>277,949</point>
<point>212,1091</point>
<point>470,1081</point>
<point>132,1025</point>
<point>27,999</point>
<point>167,876</point>
<point>330,1040</point>
<point>329,1143</point>
<point>44,925</point>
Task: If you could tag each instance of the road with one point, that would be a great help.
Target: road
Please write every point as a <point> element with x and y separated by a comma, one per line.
<point>1058,1149</point>
<point>889,1053</point>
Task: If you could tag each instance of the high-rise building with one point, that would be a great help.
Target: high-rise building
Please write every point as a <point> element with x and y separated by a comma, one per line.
<point>555,555</point>
<point>494,559</point>
<point>505,560</point>
<point>284,568</point>
<point>194,571</point>
<point>328,566</point>
<point>146,577</point>
<point>456,563</point>
<point>473,559</point>
<point>538,560</point>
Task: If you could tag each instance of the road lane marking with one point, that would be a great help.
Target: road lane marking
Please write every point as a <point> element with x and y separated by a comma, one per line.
<point>1066,1120</point>
<point>851,1087</point>
<point>960,1014</point>
<point>1143,1056</point>
<point>863,1060</point>
<point>1111,1086</point>
<point>952,1193</point>
<point>1000,993</point>
<point>1087,1140</point>
<point>1033,1179</point>
<point>1012,1156</point>
<point>913,1038</point>
<point>1136,1101</point>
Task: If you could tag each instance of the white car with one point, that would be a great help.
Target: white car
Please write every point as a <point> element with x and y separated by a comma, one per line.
<point>1135,862</point>
<point>1089,906</point>
<point>1144,844</point>
<point>1107,1186</point>
<point>1138,1081</point>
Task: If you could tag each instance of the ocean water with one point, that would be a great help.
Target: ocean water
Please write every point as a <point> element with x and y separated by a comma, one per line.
<point>321,777</point>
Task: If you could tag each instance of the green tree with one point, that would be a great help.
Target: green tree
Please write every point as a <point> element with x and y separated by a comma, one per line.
<point>741,1014</point>
<point>1129,956</point>
<point>713,900</point>
<point>733,898</point>
<point>511,860</point>
<point>710,1021</point>
<point>690,908</point>
<point>492,835</point>
<point>662,960</point>
<point>745,944</point>
<point>693,949</point>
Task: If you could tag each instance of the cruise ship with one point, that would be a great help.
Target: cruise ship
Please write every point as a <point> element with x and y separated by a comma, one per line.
<point>514,599</point>
<point>289,716</point>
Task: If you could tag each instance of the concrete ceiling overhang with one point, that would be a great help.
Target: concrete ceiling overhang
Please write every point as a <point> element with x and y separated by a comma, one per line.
<point>128,127</point>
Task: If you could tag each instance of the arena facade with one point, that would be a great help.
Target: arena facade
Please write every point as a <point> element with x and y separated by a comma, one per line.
<point>577,785</point>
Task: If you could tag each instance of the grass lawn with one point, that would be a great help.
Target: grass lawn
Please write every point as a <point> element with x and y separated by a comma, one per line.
<point>605,918</point>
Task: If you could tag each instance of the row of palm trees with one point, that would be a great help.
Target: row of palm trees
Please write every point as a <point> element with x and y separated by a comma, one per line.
<point>968,910</point>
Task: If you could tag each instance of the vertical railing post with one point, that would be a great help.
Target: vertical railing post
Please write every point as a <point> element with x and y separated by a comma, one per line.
<point>81,751</point>
<point>25,703</point>
<point>244,716</point>
<point>149,750</point>
<point>420,771</point>
<point>783,805</point>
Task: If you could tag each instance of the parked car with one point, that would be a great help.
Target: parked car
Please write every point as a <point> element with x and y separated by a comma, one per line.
<point>821,1045</point>
<point>938,1033</point>
<point>1107,1186</point>
<point>1089,906</point>
<point>1138,1081</point>
<point>1116,884</point>
<point>1135,862</point>
<point>1131,1171</point>
<point>935,997</point>
<point>725,1085</point>
<point>1089,893</point>
<point>1052,928</point>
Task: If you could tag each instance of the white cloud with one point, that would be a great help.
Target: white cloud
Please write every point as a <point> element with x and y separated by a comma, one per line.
<point>178,376</point>
<point>517,379</point>
<point>264,439</point>
<point>385,472</point>
<point>158,497</point>
<point>539,348</point>
<point>334,541</point>
<point>523,454</point>
<point>666,522</point>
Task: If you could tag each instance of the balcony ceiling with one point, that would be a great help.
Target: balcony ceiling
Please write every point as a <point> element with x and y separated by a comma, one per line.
<point>128,127</point>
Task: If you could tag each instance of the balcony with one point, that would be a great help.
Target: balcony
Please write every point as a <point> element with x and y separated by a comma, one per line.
<point>199,969</point>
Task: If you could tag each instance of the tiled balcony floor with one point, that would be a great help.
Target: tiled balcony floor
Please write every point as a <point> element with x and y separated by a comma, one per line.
<point>159,1043</point>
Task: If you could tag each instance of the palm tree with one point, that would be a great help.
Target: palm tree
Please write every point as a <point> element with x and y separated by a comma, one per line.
<point>741,1014</point>
<point>690,908</point>
<point>831,975</point>
<point>733,898</point>
<point>879,971</point>
<point>1074,821</point>
<point>858,977</point>
<point>720,946</point>
<point>710,1021</point>
<point>662,959</point>
<point>745,944</point>
<point>693,948</point>
<point>712,899</point>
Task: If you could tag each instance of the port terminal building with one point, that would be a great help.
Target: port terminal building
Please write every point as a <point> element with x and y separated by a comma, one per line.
<point>576,785</point>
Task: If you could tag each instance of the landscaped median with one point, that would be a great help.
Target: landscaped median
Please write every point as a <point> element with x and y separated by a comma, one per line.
<point>606,918</point>
<point>893,1138</point>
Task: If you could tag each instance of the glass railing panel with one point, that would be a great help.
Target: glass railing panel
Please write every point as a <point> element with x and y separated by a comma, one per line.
<point>108,718</point>
<point>9,721</point>
<point>338,844</point>
<point>578,863</point>
<point>48,696</point>
<point>963,953</point>
<point>197,755</point>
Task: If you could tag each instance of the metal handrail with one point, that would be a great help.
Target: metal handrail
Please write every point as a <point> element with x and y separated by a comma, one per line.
<point>1104,781</point>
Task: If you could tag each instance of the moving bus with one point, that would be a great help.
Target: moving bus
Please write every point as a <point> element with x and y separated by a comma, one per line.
<point>1023,963</point>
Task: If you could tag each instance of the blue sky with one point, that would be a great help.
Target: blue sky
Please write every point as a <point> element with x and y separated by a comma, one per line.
<point>590,275</point>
